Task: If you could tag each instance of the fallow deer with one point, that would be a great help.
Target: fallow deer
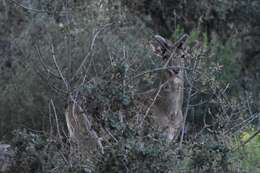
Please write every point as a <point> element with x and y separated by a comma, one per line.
<point>167,110</point>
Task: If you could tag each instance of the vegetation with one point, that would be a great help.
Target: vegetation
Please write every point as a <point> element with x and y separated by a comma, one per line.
<point>97,54</point>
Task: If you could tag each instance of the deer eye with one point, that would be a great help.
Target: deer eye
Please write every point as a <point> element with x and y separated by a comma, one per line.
<point>166,87</point>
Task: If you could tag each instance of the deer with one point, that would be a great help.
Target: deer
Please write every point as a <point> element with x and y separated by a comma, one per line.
<point>167,108</point>
<point>79,124</point>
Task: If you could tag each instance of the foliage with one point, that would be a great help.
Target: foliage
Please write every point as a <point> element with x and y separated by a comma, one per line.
<point>102,52</point>
<point>35,152</point>
<point>248,156</point>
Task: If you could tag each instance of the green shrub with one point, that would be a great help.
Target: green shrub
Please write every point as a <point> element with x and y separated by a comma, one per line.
<point>247,156</point>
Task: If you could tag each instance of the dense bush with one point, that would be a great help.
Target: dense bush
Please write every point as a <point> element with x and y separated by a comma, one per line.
<point>99,55</point>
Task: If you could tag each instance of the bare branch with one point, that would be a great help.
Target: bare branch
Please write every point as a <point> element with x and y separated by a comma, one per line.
<point>58,68</point>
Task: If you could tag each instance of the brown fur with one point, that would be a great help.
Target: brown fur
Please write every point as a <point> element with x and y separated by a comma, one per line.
<point>167,111</point>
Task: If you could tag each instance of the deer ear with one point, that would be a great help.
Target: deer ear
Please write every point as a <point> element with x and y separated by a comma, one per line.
<point>160,45</point>
<point>180,41</point>
<point>166,44</point>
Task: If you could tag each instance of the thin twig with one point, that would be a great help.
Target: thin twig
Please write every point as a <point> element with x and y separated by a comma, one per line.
<point>153,102</point>
<point>246,121</point>
<point>188,101</point>
<point>56,119</point>
<point>158,69</point>
<point>58,90</point>
<point>249,139</point>
<point>90,50</point>
<point>45,67</point>
<point>36,10</point>
<point>58,68</point>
